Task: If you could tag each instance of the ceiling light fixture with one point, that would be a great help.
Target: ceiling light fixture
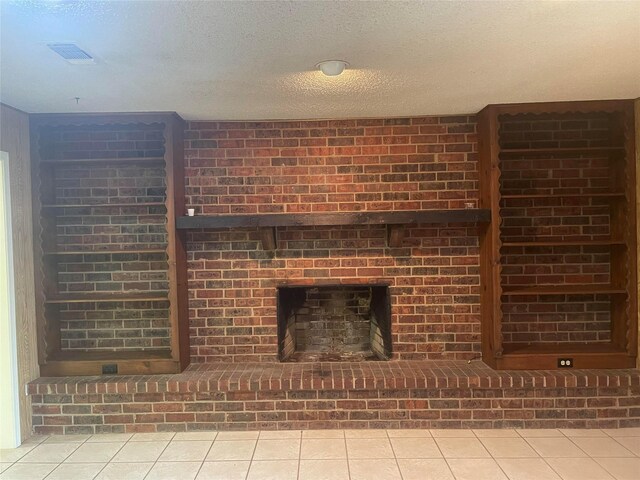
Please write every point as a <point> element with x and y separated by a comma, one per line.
<point>332,68</point>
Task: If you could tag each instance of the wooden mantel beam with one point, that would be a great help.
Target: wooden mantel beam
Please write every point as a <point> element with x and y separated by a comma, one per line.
<point>469,215</point>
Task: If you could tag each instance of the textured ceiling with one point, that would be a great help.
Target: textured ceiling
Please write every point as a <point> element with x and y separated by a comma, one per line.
<point>255,60</point>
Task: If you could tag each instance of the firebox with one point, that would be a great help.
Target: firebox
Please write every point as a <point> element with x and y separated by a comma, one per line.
<point>334,323</point>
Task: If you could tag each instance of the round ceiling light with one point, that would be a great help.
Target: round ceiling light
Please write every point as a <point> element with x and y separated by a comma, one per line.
<point>332,68</point>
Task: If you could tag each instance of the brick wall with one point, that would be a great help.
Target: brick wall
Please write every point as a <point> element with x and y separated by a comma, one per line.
<point>93,214</point>
<point>333,166</point>
<point>286,396</point>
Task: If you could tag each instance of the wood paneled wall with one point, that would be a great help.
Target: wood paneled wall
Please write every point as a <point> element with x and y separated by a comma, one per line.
<point>637,115</point>
<point>14,139</point>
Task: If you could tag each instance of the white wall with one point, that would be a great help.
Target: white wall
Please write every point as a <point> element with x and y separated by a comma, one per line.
<point>9,412</point>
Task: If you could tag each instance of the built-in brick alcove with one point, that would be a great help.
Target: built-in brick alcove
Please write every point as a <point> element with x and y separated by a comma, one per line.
<point>334,323</point>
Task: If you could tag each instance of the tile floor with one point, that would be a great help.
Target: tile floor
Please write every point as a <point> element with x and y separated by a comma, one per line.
<point>331,455</point>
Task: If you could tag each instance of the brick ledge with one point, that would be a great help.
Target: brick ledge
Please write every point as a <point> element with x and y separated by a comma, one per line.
<point>335,376</point>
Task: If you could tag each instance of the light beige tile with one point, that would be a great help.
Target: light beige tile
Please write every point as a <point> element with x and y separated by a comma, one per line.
<point>630,443</point>
<point>495,433</point>
<point>409,433</point>
<point>173,471</point>
<point>280,434</point>
<point>323,434</point>
<point>273,470</point>
<point>358,448</point>
<point>277,450</point>
<point>374,469</point>
<point>578,469</point>
<point>10,455</point>
<point>508,448</point>
<point>50,453</point>
<point>76,471</point>
<point>140,452</point>
<point>527,469</point>
<point>621,468</point>
<point>623,432</point>
<point>67,439</point>
<point>4,466</point>
<point>186,451</point>
<point>462,448</point>
<point>582,432</point>
<point>237,436</point>
<point>424,469</point>
<point>152,437</point>
<point>415,448</point>
<point>94,452</point>
<point>124,471</point>
<point>555,447</point>
<point>365,433</point>
<point>602,447</point>
<point>451,433</point>
<point>35,439</point>
<point>27,471</point>
<point>475,469</point>
<point>224,470</point>
<point>323,449</point>
<point>110,437</point>
<point>539,432</point>
<point>323,470</point>
<point>231,450</point>
<point>190,436</point>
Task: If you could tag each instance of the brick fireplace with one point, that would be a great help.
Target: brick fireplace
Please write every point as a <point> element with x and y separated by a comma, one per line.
<point>333,166</point>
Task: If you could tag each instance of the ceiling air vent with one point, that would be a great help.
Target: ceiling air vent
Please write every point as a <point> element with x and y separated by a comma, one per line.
<point>72,53</point>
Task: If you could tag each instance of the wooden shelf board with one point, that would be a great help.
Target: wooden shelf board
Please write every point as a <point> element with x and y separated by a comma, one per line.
<point>565,195</point>
<point>66,355</point>
<point>105,205</point>
<point>471,215</point>
<point>562,243</point>
<point>106,252</point>
<point>560,348</point>
<point>100,161</point>
<point>577,150</point>
<point>559,289</point>
<point>108,297</point>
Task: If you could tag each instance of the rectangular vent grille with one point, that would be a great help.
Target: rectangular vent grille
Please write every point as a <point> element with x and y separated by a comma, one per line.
<point>71,53</point>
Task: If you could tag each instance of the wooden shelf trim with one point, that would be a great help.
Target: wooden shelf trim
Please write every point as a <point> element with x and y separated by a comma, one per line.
<point>104,205</point>
<point>558,150</point>
<point>106,252</point>
<point>82,297</point>
<point>100,161</point>
<point>565,195</point>
<point>562,243</point>
<point>560,289</point>
<point>470,215</point>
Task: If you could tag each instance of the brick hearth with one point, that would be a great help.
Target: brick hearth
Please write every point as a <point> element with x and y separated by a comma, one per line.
<point>396,394</point>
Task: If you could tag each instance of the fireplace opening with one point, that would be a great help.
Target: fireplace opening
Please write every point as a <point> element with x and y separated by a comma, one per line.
<point>334,323</point>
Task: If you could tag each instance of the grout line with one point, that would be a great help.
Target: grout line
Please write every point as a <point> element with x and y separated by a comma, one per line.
<point>204,459</point>
<point>299,455</point>
<point>346,450</point>
<point>394,454</point>
<point>255,447</point>
<point>494,458</point>
<point>163,450</point>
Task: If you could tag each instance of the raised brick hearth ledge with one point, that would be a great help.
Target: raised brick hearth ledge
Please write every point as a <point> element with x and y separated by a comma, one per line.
<point>395,394</point>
